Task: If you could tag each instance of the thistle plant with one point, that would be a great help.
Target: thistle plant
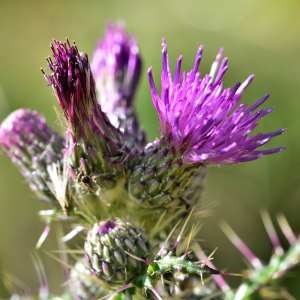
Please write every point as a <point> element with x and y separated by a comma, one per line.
<point>134,203</point>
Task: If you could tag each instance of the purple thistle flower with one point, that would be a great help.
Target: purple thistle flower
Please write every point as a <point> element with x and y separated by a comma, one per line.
<point>92,141</point>
<point>203,121</point>
<point>74,86</point>
<point>116,66</point>
<point>33,146</point>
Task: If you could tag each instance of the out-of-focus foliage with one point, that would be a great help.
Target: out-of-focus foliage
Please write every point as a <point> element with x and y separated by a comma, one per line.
<point>260,37</point>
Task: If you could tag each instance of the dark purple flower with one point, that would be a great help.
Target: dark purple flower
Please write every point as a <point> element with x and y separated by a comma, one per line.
<point>203,121</point>
<point>74,85</point>
<point>116,66</point>
<point>33,146</point>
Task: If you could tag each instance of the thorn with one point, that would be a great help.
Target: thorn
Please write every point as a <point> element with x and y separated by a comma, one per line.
<point>69,236</point>
<point>183,229</point>
<point>136,257</point>
<point>57,259</point>
<point>195,229</point>
<point>211,255</point>
<point>164,245</point>
<point>271,232</point>
<point>42,278</point>
<point>241,246</point>
<point>218,279</point>
<point>69,251</point>
<point>286,229</point>
<point>43,237</point>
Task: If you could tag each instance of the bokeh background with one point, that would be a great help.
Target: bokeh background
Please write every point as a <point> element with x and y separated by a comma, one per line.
<point>259,36</point>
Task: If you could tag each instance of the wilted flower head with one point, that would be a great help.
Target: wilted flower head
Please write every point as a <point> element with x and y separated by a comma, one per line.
<point>116,66</point>
<point>204,121</point>
<point>74,86</point>
<point>33,146</point>
<point>90,133</point>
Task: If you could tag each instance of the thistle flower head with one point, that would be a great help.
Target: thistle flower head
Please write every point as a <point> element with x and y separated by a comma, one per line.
<point>204,121</point>
<point>116,66</point>
<point>89,132</point>
<point>72,82</point>
<point>74,86</point>
<point>32,145</point>
<point>116,251</point>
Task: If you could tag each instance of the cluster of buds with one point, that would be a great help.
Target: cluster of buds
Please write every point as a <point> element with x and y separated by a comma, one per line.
<point>127,195</point>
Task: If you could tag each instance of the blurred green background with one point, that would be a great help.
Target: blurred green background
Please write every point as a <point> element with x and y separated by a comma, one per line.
<point>259,36</point>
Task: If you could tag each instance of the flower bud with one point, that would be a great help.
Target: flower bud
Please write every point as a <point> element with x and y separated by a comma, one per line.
<point>116,251</point>
<point>116,66</point>
<point>33,146</point>
<point>160,179</point>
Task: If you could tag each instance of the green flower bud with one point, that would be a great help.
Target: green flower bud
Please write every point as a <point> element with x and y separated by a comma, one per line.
<point>161,179</point>
<point>116,251</point>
